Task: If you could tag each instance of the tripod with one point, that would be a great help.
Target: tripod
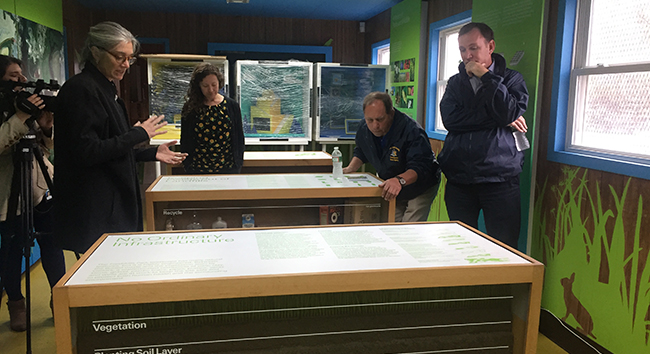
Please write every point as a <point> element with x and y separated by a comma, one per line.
<point>26,151</point>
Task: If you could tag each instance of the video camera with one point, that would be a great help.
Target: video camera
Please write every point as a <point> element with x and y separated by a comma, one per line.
<point>8,93</point>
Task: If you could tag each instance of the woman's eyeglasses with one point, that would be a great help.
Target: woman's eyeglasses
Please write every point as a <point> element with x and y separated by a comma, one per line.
<point>131,59</point>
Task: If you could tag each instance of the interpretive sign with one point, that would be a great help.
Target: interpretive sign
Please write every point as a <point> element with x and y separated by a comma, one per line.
<point>148,257</point>
<point>266,181</point>
<point>354,289</point>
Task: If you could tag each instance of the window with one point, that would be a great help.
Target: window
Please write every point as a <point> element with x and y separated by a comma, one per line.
<point>444,58</point>
<point>447,66</point>
<point>381,52</point>
<point>601,88</point>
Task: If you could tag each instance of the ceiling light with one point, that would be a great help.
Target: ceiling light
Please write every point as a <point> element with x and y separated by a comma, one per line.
<point>237,1</point>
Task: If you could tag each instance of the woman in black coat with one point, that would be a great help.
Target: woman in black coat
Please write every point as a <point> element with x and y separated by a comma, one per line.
<point>211,125</point>
<point>96,186</point>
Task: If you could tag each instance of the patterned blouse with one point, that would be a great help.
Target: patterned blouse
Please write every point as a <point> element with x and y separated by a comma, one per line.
<point>213,151</point>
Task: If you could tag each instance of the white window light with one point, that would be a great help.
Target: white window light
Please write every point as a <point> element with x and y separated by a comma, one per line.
<point>448,60</point>
<point>609,93</point>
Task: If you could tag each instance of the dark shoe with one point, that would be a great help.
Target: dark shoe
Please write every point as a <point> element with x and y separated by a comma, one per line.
<point>17,316</point>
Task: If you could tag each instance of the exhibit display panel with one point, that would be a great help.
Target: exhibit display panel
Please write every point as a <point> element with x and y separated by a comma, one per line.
<point>340,90</point>
<point>287,162</point>
<point>275,99</point>
<point>388,288</point>
<point>169,79</point>
<point>263,200</point>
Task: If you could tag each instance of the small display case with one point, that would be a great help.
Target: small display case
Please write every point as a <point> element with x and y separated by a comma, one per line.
<point>275,99</point>
<point>168,78</point>
<point>340,90</point>
<point>264,200</point>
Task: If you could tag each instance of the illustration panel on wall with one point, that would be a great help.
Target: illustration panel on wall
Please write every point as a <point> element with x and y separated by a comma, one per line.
<point>39,47</point>
<point>169,80</point>
<point>593,239</point>
<point>340,93</point>
<point>403,91</point>
<point>275,100</point>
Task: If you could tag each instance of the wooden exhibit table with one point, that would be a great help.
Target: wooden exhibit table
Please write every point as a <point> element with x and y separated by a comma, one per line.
<point>263,161</point>
<point>387,288</point>
<point>287,162</point>
<point>281,162</point>
<point>197,201</point>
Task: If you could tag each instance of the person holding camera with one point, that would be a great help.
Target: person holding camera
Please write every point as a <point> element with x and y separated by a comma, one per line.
<point>14,127</point>
<point>97,187</point>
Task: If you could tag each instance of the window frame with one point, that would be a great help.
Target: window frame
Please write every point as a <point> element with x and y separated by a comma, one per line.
<point>376,47</point>
<point>568,41</point>
<point>434,66</point>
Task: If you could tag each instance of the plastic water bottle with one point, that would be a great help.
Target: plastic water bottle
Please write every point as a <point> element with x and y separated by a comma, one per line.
<point>337,164</point>
<point>219,224</point>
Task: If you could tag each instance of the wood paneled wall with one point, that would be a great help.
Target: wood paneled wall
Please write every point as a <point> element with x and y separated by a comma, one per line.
<point>441,9</point>
<point>190,33</point>
<point>377,30</point>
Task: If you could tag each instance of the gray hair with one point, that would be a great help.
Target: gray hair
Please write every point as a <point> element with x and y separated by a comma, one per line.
<point>106,35</point>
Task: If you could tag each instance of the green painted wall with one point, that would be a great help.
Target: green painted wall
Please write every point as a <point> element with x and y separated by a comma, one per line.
<point>405,54</point>
<point>517,27</point>
<point>46,12</point>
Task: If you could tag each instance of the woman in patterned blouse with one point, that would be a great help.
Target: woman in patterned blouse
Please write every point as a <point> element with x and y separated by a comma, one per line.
<point>211,125</point>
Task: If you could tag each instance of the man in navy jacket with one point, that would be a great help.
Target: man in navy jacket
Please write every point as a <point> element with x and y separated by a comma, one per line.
<point>481,108</point>
<point>399,149</point>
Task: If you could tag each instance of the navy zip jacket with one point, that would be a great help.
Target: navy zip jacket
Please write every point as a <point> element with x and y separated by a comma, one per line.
<point>480,147</point>
<point>406,147</point>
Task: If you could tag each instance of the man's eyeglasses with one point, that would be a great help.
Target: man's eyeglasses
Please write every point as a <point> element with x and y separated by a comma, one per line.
<point>121,58</point>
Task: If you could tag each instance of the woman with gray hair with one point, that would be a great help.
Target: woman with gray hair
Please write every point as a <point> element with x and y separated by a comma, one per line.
<point>96,188</point>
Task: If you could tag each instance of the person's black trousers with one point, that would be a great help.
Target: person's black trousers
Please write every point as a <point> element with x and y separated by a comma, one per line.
<point>11,251</point>
<point>500,202</point>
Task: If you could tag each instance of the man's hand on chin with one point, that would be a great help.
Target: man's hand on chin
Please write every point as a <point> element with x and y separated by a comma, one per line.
<point>475,69</point>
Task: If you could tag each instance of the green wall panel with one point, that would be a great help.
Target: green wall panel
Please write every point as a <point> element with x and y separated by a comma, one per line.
<point>517,27</point>
<point>45,12</point>
<point>405,55</point>
<point>8,5</point>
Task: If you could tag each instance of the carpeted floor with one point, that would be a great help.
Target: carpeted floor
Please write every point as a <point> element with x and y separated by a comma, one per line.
<point>43,324</point>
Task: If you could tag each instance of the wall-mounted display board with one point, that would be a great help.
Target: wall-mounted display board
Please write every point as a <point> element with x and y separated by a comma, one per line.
<point>407,43</point>
<point>262,200</point>
<point>339,94</point>
<point>286,162</point>
<point>169,78</point>
<point>275,99</point>
<point>391,288</point>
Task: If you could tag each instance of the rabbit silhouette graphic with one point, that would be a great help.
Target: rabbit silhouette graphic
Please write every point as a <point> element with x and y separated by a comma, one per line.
<point>574,307</point>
